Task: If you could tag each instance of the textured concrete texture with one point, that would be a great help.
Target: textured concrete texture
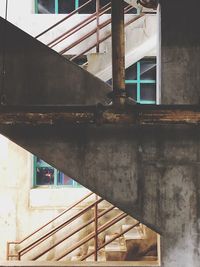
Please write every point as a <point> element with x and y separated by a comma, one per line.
<point>152,173</point>
<point>35,74</point>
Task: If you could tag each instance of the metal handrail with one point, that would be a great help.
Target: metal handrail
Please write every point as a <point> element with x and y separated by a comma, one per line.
<point>102,228</point>
<point>65,18</point>
<point>74,232</point>
<point>79,26</point>
<point>109,241</point>
<point>56,229</point>
<point>46,224</point>
<point>83,38</point>
<point>105,38</point>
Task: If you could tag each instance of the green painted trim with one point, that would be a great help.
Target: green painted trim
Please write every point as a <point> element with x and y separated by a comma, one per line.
<point>56,174</point>
<point>148,81</point>
<point>76,4</point>
<point>34,171</point>
<point>56,7</point>
<point>36,6</point>
<point>147,102</point>
<point>138,82</point>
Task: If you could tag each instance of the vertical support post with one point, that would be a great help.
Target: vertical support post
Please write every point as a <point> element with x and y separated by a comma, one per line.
<point>96,229</point>
<point>7,251</point>
<point>97,20</point>
<point>118,52</point>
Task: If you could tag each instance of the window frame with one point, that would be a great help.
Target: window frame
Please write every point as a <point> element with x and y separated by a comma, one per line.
<point>56,177</point>
<point>140,81</point>
<point>56,9</point>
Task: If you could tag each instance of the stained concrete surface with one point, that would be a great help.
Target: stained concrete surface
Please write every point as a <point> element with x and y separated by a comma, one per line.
<point>152,173</point>
<point>35,74</point>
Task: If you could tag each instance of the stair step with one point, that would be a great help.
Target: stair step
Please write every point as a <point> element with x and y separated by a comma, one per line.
<point>135,233</point>
<point>118,244</point>
<point>101,254</point>
<point>75,258</point>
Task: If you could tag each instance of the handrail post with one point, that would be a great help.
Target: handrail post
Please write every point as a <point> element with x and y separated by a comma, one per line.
<point>96,229</point>
<point>8,251</point>
<point>118,52</point>
<point>97,32</point>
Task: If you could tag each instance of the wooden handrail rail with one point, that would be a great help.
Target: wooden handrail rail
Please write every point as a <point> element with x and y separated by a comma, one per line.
<point>105,38</point>
<point>65,18</point>
<point>102,228</point>
<point>109,241</point>
<point>56,229</point>
<point>79,26</point>
<point>74,232</point>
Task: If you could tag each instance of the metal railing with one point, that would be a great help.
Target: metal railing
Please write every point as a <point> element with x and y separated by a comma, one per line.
<point>32,244</point>
<point>100,10</point>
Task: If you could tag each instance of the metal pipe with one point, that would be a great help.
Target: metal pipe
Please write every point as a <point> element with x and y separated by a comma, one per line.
<point>118,52</point>
<point>131,115</point>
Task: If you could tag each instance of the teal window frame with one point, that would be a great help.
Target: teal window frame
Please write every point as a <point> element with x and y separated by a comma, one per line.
<point>56,176</point>
<point>139,82</point>
<point>56,6</point>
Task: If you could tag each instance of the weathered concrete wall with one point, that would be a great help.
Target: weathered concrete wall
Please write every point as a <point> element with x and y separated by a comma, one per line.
<point>43,76</point>
<point>180,52</point>
<point>151,172</point>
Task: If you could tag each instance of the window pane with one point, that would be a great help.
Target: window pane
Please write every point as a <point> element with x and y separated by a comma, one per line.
<point>44,176</point>
<point>148,69</point>
<point>64,179</point>
<point>131,73</point>
<point>103,3</point>
<point>148,92</point>
<point>46,6</point>
<point>66,6</point>
<point>132,91</point>
<point>88,9</point>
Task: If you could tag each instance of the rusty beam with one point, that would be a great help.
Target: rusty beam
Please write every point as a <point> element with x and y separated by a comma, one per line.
<point>118,52</point>
<point>132,115</point>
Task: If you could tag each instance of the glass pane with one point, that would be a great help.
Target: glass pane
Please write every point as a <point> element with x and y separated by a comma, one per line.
<point>103,3</point>
<point>64,179</point>
<point>132,90</point>
<point>148,69</point>
<point>133,10</point>
<point>46,6</point>
<point>131,73</point>
<point>44,176</point>
<point>148,92</point>
<point>88,9</point>
<point>66,6</point>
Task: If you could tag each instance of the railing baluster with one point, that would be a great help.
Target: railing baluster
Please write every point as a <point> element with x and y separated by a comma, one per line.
<point>97,19</point>
<point>96,230</point>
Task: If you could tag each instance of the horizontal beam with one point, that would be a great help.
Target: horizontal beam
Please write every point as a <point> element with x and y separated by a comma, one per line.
<point>99,114</point>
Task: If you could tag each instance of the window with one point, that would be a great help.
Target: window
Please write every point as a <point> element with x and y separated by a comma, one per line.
<point>67,6</point>
<point>140,79</point>
<point>46,175</point>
